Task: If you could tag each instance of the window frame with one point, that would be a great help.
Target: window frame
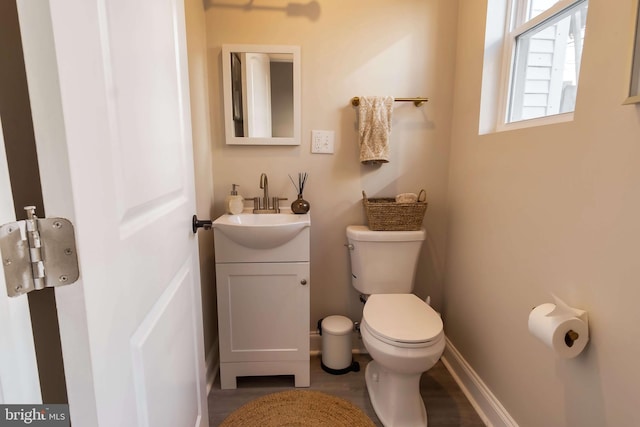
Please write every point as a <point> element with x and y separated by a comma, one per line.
<point>516,26</point>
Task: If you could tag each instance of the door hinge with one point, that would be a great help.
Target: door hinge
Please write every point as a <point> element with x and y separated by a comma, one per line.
<point>38,253</point>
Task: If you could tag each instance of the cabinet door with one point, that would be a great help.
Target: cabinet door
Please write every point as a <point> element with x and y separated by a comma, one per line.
<point>263,311</point>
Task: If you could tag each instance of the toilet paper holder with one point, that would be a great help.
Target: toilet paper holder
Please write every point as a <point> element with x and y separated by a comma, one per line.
<point>571,337</point>
<point>560,327</point>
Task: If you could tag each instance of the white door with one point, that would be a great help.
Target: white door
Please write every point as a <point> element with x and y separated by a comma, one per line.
<point>19,381</point>
<point>109,96</point>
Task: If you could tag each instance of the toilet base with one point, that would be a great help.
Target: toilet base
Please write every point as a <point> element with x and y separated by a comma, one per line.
<point>395,397</point>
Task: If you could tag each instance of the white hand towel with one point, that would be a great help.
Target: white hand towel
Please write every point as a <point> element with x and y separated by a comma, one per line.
<point>374,128</point>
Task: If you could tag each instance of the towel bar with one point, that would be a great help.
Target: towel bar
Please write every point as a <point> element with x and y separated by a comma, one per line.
<point>355,101</point>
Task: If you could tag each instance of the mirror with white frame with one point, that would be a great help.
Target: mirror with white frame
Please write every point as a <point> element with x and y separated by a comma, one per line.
<point>261,88</point>
<point>634,84</point>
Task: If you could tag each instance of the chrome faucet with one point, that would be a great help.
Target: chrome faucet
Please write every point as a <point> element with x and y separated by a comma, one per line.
<point>264,185</point>
<point>266,204</point>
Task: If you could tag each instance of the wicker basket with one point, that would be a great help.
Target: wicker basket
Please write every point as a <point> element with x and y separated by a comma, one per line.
<point>385,214</point>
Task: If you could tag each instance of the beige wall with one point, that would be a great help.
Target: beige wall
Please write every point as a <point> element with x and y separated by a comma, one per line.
<point>549,209</point>
<point>351,48</point>
<point>198,92</point>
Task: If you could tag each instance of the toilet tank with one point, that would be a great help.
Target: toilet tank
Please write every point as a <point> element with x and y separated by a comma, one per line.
<point>383,262</point>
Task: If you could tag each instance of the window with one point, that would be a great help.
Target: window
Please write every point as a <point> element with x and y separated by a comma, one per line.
<point>544,44</point>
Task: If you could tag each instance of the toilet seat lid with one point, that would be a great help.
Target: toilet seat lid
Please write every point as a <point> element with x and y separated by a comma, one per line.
<point>402,318</point>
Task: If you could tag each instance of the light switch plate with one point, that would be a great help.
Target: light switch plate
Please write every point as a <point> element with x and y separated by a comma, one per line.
<point>322,141</point>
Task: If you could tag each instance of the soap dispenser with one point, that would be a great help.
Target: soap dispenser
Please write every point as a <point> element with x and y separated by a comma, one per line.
<point>234,203</point>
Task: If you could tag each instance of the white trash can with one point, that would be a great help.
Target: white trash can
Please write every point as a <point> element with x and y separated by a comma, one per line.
<point>336,345</point>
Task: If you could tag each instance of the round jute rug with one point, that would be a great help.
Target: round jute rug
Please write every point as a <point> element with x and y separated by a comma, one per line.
<point>298,408</point>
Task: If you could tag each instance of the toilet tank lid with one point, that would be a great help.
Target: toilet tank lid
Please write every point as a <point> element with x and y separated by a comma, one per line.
<point>363,233</point>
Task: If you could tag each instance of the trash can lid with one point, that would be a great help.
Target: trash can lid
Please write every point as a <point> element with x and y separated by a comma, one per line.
<point>336,325</point>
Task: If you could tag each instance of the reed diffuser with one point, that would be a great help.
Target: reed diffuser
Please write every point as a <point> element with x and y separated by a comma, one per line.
<point>300,205</point>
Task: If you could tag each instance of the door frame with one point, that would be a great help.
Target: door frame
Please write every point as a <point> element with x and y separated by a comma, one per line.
<point>19,379</point>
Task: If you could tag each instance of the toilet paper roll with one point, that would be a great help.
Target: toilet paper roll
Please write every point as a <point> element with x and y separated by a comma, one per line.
<point>563,329</point>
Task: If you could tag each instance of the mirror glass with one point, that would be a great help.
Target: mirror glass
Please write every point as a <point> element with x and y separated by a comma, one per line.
<point>261,86</point>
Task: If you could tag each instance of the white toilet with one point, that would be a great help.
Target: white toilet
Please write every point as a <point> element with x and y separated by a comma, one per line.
<point>401,332</point>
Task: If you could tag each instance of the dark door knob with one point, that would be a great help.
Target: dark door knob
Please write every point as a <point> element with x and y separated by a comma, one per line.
<point>200,223</point>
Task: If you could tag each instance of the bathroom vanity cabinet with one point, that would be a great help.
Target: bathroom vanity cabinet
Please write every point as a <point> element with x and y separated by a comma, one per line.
<point>263,309</point>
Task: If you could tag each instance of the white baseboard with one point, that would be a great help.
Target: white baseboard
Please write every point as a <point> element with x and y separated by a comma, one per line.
<point>212,364</point>
<point>489,408</point>
<point>315,344</point>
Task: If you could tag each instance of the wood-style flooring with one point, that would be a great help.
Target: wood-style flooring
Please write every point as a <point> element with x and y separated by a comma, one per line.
<point>446,405</point>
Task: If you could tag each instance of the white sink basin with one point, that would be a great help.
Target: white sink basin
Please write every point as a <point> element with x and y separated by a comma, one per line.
<point>261,231</point>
